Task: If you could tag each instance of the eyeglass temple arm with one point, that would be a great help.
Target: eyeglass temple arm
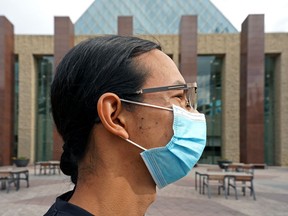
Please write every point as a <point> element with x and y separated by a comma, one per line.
<point>167,88</point>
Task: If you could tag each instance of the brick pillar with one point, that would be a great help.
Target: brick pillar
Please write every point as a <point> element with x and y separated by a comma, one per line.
<point>6,90</point>
<point>63,42</point>
<point>252,90</point>
<point>125,25</point>
<point>188,48</point>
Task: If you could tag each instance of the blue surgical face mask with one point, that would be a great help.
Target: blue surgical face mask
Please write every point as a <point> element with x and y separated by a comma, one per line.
<point>169,163</point>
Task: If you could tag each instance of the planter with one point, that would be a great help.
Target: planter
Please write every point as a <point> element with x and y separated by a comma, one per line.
<point>222,162</point>
<point>21,162</point>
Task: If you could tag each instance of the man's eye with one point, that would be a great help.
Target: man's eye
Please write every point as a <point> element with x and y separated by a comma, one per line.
<point>180,96</point>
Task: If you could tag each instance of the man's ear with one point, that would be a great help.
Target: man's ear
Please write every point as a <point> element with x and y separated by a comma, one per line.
<point>110,112</point>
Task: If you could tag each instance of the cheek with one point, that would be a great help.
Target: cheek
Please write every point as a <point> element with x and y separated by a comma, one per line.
<point>155,129</point>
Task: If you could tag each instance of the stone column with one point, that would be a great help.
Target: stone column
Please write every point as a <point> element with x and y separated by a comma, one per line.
<point>125,25</point>
<point>6,90</point>
<point>63,42</point>
<point>188,48</point>
<point>252,90</point>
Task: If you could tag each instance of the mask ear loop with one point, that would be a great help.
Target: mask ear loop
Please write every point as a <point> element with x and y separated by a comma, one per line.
<point>135,144</point>
<point>147,105</point>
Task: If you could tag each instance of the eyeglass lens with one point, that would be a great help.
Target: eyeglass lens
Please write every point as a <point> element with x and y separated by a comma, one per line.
<point>191,97</point>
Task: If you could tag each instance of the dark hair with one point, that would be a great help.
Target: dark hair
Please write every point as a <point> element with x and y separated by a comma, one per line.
<point>90,69</point>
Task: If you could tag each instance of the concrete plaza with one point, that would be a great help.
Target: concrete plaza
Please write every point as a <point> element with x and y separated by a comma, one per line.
<point>180,198</point>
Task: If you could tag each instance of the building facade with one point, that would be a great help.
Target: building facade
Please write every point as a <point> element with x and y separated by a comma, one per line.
<point>242,88</point>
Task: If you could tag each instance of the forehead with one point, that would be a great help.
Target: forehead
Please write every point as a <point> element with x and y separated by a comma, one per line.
<point>161,68</point>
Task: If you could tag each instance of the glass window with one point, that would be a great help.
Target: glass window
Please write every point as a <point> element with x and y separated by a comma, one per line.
<point>269,110</point>
<point>44,131</point>
<point>16,104</point>
<point>210,103</point>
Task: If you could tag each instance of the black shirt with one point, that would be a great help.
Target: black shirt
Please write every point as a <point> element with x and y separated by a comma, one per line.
<point>63,208</point>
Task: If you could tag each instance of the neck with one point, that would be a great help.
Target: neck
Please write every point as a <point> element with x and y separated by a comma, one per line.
<point>112,195</point>
<point>113,179</point>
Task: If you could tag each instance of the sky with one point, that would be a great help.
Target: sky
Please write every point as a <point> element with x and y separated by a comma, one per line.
<point>37,16</point>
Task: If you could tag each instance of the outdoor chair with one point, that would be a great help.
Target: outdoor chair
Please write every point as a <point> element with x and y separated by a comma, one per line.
<point>210,180</point>
<point>242,182</point>
<point>47,167</point>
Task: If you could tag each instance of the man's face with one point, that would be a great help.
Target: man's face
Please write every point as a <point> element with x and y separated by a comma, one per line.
<point>152,127</point>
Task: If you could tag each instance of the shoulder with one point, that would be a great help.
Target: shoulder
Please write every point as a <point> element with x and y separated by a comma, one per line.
<point>62,207</point>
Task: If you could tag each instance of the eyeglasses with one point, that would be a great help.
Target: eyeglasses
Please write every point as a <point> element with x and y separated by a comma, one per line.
<point>190,92</point>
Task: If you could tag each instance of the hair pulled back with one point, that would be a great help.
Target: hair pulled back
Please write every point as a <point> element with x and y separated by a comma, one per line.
<point>90,69</point>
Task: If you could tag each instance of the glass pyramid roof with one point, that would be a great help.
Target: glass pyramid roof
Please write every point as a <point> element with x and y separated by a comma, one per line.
<point>151,16</point>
